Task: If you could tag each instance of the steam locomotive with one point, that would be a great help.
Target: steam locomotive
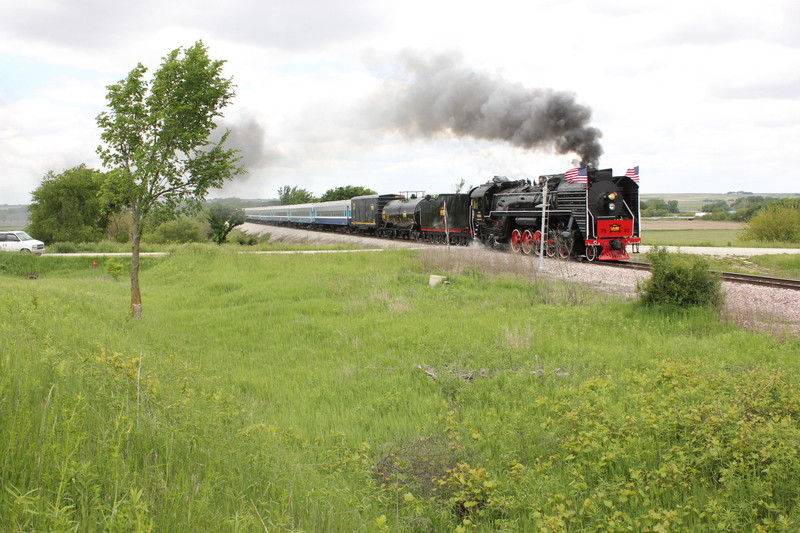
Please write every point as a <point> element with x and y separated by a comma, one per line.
<point>583,213</point>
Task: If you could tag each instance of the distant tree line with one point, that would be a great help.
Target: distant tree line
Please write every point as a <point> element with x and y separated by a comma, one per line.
<point>70,207</point>
<point>658,208</point>
<point>288,195</point>
<point>740,210</point>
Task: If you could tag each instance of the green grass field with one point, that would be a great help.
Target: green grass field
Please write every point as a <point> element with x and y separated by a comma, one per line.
<point>712,237</point>
<point>717,237</point>
<point>340,392</point>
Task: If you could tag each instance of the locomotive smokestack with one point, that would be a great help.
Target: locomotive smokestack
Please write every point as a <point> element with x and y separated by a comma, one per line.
<point>435,95</point>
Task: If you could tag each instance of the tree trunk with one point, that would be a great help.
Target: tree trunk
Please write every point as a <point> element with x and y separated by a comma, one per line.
<point>136,295</point>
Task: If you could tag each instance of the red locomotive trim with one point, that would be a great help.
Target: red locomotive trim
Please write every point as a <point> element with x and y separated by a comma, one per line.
<point>609,254</point>
<point>613,255</point>
<point>624,240</point>
<point>614,228</point>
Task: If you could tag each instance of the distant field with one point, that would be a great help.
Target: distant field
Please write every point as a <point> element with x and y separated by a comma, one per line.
<point>694,202</point>
<point>695,225</point>
<point>694,238</point>
<point>701,233</point>
<point>691,233</point>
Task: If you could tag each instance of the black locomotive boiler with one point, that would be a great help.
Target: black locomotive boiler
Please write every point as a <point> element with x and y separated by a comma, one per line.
<point>591,214</point>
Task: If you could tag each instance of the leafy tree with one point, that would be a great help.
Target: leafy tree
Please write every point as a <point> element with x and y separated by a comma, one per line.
<point>746,202</point>
<point>778,222</point>
<point>156,140</point>
<point>747,206</point>
<point>66,207</point>
<point>294,195</point>
<point>222,219</point>
<point>718,205</point>
<point>658,207</point>
<point>345,193</point>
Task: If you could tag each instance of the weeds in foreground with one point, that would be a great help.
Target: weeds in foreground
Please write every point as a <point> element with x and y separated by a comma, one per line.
<point>249,403</point>
<point>484,265</point>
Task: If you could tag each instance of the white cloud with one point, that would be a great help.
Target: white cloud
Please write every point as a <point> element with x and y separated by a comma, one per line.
<point>702,94</point>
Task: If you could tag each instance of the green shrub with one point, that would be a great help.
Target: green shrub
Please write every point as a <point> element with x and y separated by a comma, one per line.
<point>114,268</point>
<point>680,282</point>
<point>178,231</point>
<point>245,239</point>
<point>63,248</point>
<point>777,223</point>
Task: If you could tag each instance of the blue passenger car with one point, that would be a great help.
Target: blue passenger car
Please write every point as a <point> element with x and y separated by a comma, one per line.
<point>330,215</point>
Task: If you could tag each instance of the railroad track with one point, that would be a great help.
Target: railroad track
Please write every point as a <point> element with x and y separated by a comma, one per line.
<point>764,281</point>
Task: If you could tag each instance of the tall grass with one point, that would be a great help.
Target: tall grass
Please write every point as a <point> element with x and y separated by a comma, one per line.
<point>706,237</point>
<point>342,393</point>
<point>262,243</point>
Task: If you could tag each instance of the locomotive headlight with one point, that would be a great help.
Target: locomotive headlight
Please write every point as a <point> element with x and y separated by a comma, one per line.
<point>611,196</point>
<point>612,206</point>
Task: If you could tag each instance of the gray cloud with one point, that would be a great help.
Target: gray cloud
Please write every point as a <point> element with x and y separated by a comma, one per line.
<point>295,24</point>
<point>78,23</point>
<point>430,96</point>
<point>284,24</point>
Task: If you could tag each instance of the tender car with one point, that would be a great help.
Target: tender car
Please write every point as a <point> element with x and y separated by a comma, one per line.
<point>19,241</point>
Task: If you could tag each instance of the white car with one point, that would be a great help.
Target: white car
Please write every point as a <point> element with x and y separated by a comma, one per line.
<point>19,241</point>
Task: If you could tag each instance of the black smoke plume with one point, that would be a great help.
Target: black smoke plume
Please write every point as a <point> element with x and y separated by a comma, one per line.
<point>435,95</point>
<point>249,137</point>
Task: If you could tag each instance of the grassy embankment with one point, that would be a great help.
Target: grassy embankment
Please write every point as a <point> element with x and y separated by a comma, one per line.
<point>341,393</point>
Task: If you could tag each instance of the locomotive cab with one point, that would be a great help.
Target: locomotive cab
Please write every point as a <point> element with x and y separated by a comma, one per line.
<point>613,212</point>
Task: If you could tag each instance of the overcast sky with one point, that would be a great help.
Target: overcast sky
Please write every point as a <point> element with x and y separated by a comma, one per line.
<point>703,95</point>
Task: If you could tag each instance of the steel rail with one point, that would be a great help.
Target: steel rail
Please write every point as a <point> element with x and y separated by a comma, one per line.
<point>732,277</point>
